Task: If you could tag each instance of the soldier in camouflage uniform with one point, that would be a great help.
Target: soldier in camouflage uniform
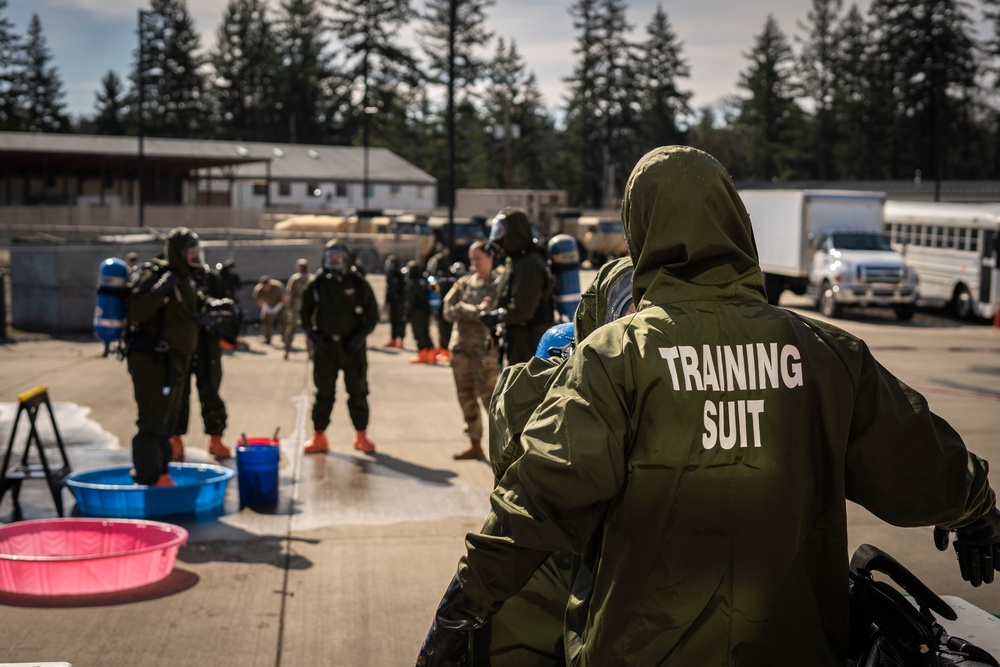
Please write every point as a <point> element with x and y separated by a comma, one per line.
<point>475,368</point>
<point>293,319</point>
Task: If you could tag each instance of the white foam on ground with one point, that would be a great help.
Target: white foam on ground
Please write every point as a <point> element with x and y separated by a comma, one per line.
<point>76,427</point>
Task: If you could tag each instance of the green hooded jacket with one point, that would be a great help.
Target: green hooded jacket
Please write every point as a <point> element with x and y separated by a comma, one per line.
<point>525,287</point>
<point>173,318</point>
<point>697,455</point>
<point>339,304</point>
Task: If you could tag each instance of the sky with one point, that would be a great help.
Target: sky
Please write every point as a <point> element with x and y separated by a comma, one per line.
<point>89,37</point>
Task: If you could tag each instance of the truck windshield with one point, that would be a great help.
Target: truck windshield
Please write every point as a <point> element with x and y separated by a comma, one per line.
<point>860,241</point>
<point>611,227</point>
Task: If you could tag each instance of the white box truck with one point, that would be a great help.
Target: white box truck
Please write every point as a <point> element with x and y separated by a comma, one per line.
<point>829,245</point>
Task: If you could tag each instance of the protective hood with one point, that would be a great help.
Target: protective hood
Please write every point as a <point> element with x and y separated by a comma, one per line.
<point>336,244</point>
<point>688,230</point>
<point>518,237</point>
<point>175,249</point>
<point>607,298</point>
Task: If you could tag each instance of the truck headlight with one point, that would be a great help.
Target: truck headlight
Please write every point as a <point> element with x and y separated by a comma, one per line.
<point>841,271</point>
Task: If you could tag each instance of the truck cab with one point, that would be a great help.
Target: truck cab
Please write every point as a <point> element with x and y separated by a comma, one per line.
<point>858,267</point>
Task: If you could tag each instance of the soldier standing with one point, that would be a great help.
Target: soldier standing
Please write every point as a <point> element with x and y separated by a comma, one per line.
<point>269,295</point>
<point>418,313</point>
<point>339,310</point>
<point>524,305</point>
<point>163,333</point>
<point>475,368</point>
<point>206,366</point>
<point>295,287</point>
<point>394,287</point>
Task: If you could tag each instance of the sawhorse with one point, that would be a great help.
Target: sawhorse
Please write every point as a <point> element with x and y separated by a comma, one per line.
<point>29,403</point>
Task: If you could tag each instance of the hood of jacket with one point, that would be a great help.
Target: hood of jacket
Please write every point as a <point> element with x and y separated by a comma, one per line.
<point>175,249</point>
<point>518,239</point>
<point>605,299</point>
<point>688,230</point>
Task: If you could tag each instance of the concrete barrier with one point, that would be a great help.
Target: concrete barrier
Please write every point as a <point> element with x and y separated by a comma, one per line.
<point>53,286</point>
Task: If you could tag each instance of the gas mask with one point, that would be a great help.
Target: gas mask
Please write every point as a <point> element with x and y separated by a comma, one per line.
<point>335,260</point>
<point>193,254</point>
<point>498,232</point>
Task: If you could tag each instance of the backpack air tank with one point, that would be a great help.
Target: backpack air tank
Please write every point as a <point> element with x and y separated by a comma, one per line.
<point>112,290</point>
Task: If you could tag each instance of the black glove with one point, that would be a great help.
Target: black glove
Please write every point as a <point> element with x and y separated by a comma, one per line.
<point>166,283</point>
<point>447,642</point>
<point>491,318</point>
<point>356,341</point>
<point>211,318</point>
<point>977,546</point>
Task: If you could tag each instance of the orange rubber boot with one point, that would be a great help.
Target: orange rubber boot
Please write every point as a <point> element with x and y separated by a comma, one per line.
<point>217,449</point>
<point>443,355</point>
<point>362,443</point>
<point>317,444</point>
<point>389,343</point>
<point>176,448</point>
<point>165,480</point>
<point>423,357</point>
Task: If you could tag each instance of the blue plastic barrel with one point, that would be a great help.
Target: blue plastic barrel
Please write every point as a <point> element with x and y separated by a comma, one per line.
<point>257,472</point>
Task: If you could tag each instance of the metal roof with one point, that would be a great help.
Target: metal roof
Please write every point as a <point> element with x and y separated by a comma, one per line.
<point>240,159</point>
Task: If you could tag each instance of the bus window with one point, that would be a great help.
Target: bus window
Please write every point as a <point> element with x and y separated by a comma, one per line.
<point>974,240</point>
<point>938,237</point>
<point>950,239</point>
<point>962,231</point>
<point>918,235</point>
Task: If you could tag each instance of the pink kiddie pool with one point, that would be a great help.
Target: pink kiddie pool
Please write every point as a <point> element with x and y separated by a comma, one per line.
<point>81,556</point>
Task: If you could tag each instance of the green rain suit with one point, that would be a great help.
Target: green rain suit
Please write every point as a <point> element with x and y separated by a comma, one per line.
<point>340,311</point>
<point>697,455</point>
<point>525,288</point>
<point>417,306</point>
<point>163,335</point>
<point>206,366</point>
<point>528,630</point>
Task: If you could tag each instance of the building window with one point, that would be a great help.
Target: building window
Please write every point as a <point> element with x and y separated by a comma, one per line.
<point>285,189</point>
<point>341,189</point>
<point>260,189</point>
<point>369,190</point>
<point>395,189</point>
<point>421,192</point>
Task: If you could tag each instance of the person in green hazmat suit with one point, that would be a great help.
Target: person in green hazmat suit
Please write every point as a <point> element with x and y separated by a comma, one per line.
<point>165,317</point>
<point>524,302</point>
<point>528,629</point>
<point>206,367</point>
<point>696,457</point>
<point>339,311</point>
<point>417,307</point>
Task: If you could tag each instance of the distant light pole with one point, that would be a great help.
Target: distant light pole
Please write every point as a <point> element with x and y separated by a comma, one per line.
<point>367,110</point>
<point>450,194</point>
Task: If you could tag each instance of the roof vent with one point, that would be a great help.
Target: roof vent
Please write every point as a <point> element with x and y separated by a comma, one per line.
<point>313,154</point>
<point>277,152</point>
<point>242,151</point>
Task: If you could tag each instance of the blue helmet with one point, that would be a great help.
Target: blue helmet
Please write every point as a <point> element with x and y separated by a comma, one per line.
<point>555,341</point>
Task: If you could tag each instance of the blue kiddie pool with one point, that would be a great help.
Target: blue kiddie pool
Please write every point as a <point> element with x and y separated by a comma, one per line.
<point>111,492</point>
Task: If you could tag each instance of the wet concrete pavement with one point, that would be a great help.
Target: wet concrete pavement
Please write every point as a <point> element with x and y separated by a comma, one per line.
<point>349,566</point>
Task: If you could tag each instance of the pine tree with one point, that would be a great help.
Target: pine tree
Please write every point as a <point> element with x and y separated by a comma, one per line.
<point>471,36</point>
<point>374,64</point>
<point>853,155</point>
<point>11,74</point>
<point>662,103</point>
<point>304,72</point>
<point>601,121</point>
<point>244,86</point>
<point>44,105</point>
<point>818,68</point>
<point>109,108</point>
<point>169,72</point>
<point>767,115</point>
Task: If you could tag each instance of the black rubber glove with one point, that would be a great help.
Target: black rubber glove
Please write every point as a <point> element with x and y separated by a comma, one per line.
<point>977,546</point>
<point>356,341</point>
<point>166,283</point>
<point>447,642</point>
<point>491,317</point>
<point>211,318</point>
